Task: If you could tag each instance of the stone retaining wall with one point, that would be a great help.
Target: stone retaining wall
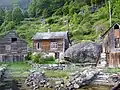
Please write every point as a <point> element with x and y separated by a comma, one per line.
<point>49,66</point>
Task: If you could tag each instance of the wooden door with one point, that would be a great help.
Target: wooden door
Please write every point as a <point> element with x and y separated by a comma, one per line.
<point>46,45</point>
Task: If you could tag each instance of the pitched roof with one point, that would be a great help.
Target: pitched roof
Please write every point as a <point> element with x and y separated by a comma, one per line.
<point>50,35</point>
<point>11,31</point>
<point>103,35</point>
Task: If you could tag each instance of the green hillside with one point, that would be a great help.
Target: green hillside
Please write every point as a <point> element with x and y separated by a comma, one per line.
<point>85,19</point>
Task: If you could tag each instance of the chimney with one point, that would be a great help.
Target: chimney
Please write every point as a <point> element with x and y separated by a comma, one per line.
<point>48,30</point>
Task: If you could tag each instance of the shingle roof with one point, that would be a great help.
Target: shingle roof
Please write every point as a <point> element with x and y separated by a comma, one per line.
<point>50,35</point>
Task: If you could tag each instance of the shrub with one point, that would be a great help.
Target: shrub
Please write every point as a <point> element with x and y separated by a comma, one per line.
<point>49,58</point>
<point>29,56</point>
<point>38,58</point>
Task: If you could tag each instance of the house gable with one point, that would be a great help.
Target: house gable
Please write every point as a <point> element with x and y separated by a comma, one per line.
<point>11,37</point>
<point>114,26</point>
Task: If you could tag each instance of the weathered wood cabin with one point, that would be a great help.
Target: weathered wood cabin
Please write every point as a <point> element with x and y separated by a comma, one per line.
<point>52,43</point>
<point>12,48</point>
<point>111,45</point>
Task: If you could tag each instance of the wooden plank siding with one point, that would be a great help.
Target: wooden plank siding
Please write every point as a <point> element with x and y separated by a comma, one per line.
<point>114,59</point>
<point>12,47</point>
<point>46,45</point>
<point>111,44</point>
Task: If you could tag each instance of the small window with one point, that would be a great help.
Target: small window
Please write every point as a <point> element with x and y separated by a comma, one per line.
<point>116,27</point>
<point>38,46</point>
<point>53,45</point>
<point>117,43</point>
<point>13,40</point>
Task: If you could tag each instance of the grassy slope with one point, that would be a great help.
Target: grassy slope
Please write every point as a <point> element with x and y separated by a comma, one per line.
<point>19,69</point>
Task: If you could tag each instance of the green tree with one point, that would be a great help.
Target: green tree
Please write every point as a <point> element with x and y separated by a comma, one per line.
<point>26,14</point>
<point>2,14</point>
<point>116,9</point>
<point>8,15</point>
<point>32,8</point>
<point>17,15</point>
<point>65,10</point>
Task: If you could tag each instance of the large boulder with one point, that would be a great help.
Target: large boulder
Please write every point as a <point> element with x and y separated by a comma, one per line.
<point>85,52</point>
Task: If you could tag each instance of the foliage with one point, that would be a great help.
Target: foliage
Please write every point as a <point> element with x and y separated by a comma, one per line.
<point>17,15</point>
<point>8,15</point>
<point>29,56</point>
<point>2,14</point>
<point>37,58</point>
<point>112,70</point>
<point>41,59</point>
<point>85,19</point>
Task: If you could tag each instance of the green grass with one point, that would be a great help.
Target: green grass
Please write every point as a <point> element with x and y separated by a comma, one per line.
<point>112,70</point>
<point>19,66</point>
<point>47,62</point>
<point>19,69</point>
<point>56,74</point>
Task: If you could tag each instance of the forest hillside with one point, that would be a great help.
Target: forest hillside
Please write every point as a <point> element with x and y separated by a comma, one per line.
<point>85,19</point>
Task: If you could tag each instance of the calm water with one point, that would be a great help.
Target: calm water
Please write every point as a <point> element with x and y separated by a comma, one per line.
<point>96,88</point>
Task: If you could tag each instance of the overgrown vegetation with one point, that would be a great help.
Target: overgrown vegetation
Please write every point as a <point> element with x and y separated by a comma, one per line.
<point>40,58</point>
<point>56,74</point>
<point>112,70</point>
<point>85,19</point>
<point>18,69</point>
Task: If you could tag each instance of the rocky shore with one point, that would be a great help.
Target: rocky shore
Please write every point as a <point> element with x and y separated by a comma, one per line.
<point>75,81</point>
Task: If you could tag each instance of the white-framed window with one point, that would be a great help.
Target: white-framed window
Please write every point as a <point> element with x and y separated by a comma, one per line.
<point>7,47</point>
<point>53,45</point>
<point>38,46</point>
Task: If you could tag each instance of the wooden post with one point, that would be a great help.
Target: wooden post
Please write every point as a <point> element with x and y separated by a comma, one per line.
<point>109,12</point>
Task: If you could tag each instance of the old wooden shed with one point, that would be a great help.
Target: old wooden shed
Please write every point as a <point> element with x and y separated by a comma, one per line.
<point>12,47</point>
<point>51,43</point>
<point>111,45</point>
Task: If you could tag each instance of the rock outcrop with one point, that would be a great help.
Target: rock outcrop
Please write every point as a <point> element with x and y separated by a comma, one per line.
<point>79,79</point>
<point>85,52</point>
<point>36,80</point>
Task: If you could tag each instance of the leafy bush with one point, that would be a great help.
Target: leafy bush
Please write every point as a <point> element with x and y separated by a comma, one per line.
<point>29,56</point>
<point>38,58</point>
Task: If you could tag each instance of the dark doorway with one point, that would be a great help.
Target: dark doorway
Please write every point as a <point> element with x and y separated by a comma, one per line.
<point>56,55</point>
